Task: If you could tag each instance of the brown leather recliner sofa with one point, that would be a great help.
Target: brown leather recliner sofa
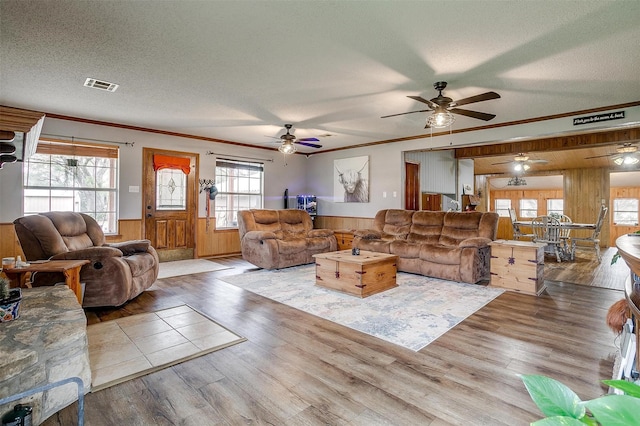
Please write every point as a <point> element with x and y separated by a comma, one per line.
<point>274,239</point>
<point>117,273</point>
<point>449,245</point>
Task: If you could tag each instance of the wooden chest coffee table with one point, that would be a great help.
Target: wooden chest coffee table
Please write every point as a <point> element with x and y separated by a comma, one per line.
<point>362,275</point>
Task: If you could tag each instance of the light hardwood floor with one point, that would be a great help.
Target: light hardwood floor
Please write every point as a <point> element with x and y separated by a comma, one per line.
<point>298,369</point>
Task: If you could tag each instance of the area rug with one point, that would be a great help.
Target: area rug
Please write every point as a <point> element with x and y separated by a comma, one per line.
<point>186,267</point>
<point>411,315</point>
<point>130,347</point>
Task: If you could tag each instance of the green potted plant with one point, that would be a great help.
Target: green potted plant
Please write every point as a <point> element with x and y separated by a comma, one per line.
<point>10,299</point>
<point>562,407</point>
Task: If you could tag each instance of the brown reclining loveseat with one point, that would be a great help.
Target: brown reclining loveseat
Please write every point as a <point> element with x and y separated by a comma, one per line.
<point>274,239</point>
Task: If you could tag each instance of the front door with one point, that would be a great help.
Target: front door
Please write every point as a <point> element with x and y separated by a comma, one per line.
<point>170,203</point>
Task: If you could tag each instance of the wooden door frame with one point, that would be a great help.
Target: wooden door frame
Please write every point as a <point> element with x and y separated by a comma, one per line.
<point>192,188</point>
<point>405,183</point>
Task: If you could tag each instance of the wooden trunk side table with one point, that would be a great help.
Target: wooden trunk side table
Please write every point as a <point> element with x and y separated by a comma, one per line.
<point>518,266</point>
<point>70,269</point>
<point>344,238</point>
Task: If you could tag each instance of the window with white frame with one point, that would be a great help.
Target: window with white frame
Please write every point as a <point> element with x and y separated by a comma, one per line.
<point>555,206</point>
<point>502,206</point>
<point>73,176</point>
<point>240,187</point>
<point>528,207</point>
<point>625,211</point>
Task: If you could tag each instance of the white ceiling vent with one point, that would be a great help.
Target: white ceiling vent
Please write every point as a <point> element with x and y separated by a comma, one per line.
<point>102,85</point>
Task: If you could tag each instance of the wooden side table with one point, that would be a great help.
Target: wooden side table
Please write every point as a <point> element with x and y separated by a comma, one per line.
<point>70,269</point>
<point>517,266</point>
<point>344,238</point>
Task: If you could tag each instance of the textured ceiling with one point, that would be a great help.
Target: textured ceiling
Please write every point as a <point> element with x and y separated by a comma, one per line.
<point>239,70</point>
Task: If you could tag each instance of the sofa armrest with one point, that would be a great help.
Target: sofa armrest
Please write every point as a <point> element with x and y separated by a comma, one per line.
<point>320,233</point>
<point>367,234</point>
<point>475,242</point>
<point>88,253</point>
<point>260,235</point>
<point>129,248</point>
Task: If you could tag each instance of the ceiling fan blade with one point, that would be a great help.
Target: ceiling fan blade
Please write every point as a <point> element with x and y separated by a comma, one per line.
<point>403,113</point>
<point>477,98</point>
<point>540,161</point>
<point>600,156</point>
<point>312,145</point>
<point>431,104</point>
<point>308,140</point>
<point>504,162</point>
<point>473,114</point>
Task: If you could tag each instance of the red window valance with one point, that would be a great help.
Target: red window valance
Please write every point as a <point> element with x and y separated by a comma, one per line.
<point>168,162</point>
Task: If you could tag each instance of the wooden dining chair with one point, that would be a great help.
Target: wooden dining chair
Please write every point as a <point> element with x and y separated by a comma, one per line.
<point>517,232</point>
<point>546,229</point>
<point>565,233</point>
<point>595,237</point>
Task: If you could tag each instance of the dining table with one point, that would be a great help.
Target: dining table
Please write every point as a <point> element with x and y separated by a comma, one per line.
<point>564,225</point>
<point>565,252</point>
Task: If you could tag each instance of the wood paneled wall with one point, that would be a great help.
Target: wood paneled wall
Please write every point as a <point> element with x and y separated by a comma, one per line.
<point>9,244</point>
<point>340,223</point>
<point>584,191</point>
<point>213,242</point>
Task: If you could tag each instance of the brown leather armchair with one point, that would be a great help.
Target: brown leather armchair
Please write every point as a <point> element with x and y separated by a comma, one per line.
<point>117,273</point>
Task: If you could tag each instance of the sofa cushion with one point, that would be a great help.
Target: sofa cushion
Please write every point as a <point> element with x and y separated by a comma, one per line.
<point>426,227</point>
<point>266,220</point>
<point>41,239</point>
<point>140,263</point>
<point>132,247</point>
<point>318,244</point>
<point>405,249</point>
<point>292,245</point>
<point>78,230</point>
<point>445,255</point>
<point>293,223</point>
<point>459,226</point>
<point>397,224</point>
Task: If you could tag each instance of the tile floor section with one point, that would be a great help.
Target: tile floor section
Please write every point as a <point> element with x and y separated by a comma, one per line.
<point>129,347</point>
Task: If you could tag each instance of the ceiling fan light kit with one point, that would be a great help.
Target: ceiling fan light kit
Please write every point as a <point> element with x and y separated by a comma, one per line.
<point>288,141</point>
<point>287,148</point>
<point>626,160</point>
<point>440,119</point>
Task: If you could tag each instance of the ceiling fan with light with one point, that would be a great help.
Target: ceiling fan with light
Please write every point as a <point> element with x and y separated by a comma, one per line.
<point>288,141</point>
<point>444,107</point>
<point>626,154</point>
<point>521,162</point>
